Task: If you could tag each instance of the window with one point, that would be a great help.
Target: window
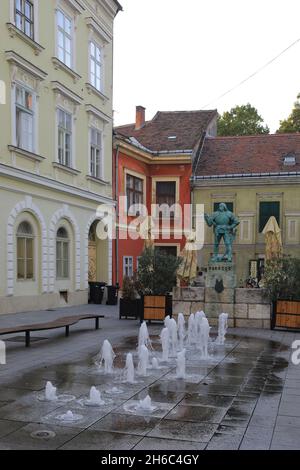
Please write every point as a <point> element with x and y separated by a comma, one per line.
<point>166,193</point>
<point>24,119</point>
<point>167,250</point>
<point>134,190</point>
<point>266,210</point>
<point>24,17</point>
<point>128,266</point>
<point>96,153</point>
<point>138,262</point>
<point>228,204</point>
<point>62,254</point>
<point>25,247</point>
<point>64,38</point>
<point>64,138</point>
<point>96,66</point>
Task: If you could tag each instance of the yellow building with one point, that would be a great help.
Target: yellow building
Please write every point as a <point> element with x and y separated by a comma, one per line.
<point>55,149</point>
<point>257,176</point>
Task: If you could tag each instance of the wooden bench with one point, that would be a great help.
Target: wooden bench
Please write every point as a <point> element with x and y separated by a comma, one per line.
<point>64,322</point>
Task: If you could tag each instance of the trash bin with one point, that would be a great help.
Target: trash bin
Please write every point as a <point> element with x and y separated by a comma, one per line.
<point>112,295</point>
<point>96,292</point>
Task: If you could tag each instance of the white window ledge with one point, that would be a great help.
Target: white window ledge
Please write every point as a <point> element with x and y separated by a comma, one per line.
<point>97,180</point>
<point>14,31</point>
<point>58,64</point>
<point>91,89</point>
<point>25,153</point>
<point>66,169</point>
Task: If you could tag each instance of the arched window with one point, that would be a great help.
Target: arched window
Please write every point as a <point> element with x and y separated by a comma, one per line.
<point>62,253</point>
<point>25,251</point>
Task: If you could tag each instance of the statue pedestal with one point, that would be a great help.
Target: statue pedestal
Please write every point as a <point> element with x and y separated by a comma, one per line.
<point>219,274</point>
<point>220,284</point>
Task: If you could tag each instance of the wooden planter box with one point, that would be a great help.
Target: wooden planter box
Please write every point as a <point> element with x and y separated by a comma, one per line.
<point>130,308</point>
<point>156,307</point>
<point>286,314</point>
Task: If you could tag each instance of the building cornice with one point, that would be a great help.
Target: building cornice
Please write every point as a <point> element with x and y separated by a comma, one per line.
<point>111,6</point>
<point>63,90</point>
<point>49,183</point>
<point>91,109</point>
<point>16,60</point>
<point>263,179</point>
<point>76,5</point>
<point>98,30</point>
<point>153,158</point>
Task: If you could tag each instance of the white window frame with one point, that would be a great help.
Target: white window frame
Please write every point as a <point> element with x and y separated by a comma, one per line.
<point>25,237</point>
<point>127,266</point>
<point>63,241</point>
<point>71,37</point>
<point>35,19</point>
<point>32,112</point>
<point>166,179</point>
<point>129,172</point>
<point>32,21</point>
<point>65,130</point>
<point>93,66</point>
<point>95,147</point>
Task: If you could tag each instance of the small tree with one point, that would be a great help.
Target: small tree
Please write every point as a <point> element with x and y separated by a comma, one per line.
<point>292,123</point>
<point>157,271</point>
<point>282,278</point>
<point>241,120</point>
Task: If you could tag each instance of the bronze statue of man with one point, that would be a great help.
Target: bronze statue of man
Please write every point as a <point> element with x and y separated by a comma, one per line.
<point>224,223</point>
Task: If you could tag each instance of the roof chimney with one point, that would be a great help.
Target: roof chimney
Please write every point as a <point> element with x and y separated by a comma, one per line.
<point>140,117</point>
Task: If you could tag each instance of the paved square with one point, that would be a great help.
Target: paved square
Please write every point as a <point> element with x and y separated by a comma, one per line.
<point>245,396</point>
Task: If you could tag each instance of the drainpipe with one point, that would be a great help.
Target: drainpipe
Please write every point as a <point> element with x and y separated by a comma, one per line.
<point>117,212</point>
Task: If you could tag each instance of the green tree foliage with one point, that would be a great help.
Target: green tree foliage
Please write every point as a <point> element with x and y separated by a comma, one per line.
<point>292,123</point>
<point>128,288</point>
<point>241,120</point>
<point>282,278</point>
<point>157,271</point>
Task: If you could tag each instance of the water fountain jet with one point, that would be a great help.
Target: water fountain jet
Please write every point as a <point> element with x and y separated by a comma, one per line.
<point>165,341</point>
<point>107,357</point>
<point>181,365</point>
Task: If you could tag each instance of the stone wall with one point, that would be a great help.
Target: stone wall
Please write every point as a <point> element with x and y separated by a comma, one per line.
<point>248,308</point>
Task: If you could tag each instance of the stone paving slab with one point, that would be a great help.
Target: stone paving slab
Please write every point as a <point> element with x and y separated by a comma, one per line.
<point>116,422</point>
<point>198,414</point>
<point>102,440</point>
<point>156,444</point>
<point>22,439</point>
<point>184,431</point>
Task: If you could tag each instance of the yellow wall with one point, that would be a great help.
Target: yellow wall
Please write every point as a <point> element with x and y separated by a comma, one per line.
<point>33,186</point>
<point>246,196</point>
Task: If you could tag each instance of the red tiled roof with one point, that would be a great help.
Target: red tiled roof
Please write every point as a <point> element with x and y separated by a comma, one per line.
<point>187,126</point>
<point>249,154</point>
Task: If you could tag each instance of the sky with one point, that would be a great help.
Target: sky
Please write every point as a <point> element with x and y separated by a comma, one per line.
<point>172,55</point>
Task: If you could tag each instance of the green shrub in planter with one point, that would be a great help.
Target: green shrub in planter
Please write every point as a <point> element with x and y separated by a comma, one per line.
<point>130,302</point>
<point>157,272</point>
<point>282,278</point>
